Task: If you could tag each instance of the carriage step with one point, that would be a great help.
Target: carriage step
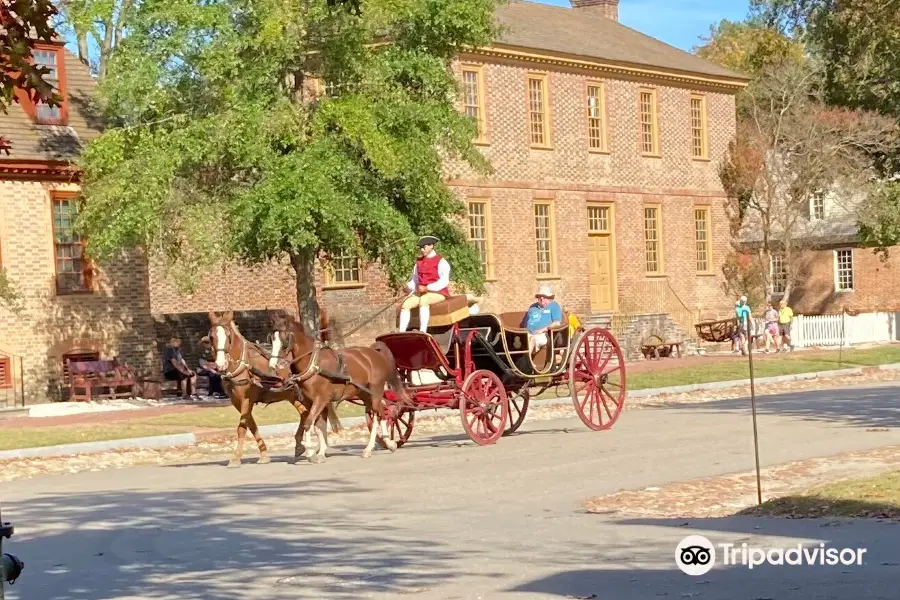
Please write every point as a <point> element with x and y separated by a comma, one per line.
<point>603,321</point>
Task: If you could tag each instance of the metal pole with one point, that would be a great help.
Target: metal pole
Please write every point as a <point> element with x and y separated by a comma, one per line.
<point>753,408</point>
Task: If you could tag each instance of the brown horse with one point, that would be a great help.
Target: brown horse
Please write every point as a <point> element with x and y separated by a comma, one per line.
<point>244,367</point>
<point>327,375</point>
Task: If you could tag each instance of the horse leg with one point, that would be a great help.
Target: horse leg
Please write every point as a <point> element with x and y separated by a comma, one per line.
<point>264,457</point>
<point>299,447</point>
<point>378,404</point>
<point>312,420</point>
<point>244,407</point>
<point>321,455</point>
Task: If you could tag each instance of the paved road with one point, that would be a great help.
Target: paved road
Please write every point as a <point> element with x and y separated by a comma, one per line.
<point>440,519</point>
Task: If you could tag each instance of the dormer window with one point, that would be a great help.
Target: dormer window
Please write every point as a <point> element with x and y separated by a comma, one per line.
<point>51,59</point>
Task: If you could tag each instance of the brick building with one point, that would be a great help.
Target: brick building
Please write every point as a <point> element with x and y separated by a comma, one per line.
<point>830,268</point>
<point>67,306</point>
<point>604,142</point>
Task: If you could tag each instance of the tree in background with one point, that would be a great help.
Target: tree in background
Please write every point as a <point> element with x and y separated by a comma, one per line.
<point>748,47</point>
<point>791,147</point>
<point>221,148</point>
<point>858,44</point>
<point>97,27</point>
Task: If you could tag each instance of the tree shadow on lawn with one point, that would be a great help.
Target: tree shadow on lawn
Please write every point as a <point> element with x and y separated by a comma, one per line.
<point>252,540</point>
<point>874,406</point>
<point>650,571</point>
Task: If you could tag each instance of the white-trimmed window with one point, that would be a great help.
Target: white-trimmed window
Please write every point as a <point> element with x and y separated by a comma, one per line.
<point>544,236</point>
<point>538,111</point>
<point>778,273</point>
<point>702,238</point>
<point>817,207</point>
<point>699,135</point>
<point>843,270</point>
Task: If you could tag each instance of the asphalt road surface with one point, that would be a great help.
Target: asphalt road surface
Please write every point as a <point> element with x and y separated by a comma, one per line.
<point>450,520</point>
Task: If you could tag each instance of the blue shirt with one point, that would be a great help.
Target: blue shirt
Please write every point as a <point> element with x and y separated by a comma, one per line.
<point>539,318</point>
<point>741,312</point>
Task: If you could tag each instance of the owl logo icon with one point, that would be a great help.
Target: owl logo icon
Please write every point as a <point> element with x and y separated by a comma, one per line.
<point>695,555</point>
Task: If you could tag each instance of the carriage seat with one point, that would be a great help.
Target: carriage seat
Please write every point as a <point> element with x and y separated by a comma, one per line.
<point>514,322</point>
<point>445,313</point>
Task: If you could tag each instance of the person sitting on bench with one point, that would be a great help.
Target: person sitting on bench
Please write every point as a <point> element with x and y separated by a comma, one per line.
<point>543,315</point>
<point>430,284</point>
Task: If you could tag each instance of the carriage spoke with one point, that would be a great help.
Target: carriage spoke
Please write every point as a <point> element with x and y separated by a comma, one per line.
<point>596,369</point>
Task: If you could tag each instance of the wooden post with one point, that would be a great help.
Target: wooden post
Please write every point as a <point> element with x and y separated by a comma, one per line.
<point>753,409</point>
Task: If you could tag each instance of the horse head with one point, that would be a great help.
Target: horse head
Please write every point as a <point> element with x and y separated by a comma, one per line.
<point>221,336</point>
<point>282,337</point>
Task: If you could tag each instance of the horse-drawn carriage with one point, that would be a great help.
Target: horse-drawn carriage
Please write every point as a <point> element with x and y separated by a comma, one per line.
<point>482,365</point>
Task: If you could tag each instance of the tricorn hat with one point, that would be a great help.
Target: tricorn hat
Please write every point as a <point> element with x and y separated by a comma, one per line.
<point>427,240</point>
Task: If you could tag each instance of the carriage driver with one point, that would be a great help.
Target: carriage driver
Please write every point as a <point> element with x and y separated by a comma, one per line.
<point>429,284</point>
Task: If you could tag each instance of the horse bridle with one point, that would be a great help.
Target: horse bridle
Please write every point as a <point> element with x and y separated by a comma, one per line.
<point>243,365</point>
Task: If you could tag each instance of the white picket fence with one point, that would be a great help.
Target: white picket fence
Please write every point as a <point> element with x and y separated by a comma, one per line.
<point>832,330</point>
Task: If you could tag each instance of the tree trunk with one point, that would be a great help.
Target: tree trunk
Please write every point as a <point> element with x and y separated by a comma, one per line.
<point>83,54</point>
<point>304,265</point>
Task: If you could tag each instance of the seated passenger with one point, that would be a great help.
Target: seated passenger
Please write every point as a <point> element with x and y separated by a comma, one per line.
<point>542,315</point>
<point>428,285</point>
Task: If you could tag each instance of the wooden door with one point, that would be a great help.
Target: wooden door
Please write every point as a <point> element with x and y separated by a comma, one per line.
<point>601,259</point>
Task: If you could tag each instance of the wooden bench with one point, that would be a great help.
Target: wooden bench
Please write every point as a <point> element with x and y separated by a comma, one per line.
<point>654,347</point>
<point>110,378</point>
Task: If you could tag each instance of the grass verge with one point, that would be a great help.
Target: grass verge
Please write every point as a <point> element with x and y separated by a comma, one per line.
<point>873,497</point>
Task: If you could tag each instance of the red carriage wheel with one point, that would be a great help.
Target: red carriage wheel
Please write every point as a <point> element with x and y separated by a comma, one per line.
<point>484,407</point>
<point>597,379</point>
<point>518,407</point>
<point>400,423</point>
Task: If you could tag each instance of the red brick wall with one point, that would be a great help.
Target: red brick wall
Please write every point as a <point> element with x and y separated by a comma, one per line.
<point>876,283</point>
<point>114,320</point>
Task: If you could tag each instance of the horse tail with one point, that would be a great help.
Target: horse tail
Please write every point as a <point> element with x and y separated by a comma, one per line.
<point>333,419</point>
<point>393,380</point>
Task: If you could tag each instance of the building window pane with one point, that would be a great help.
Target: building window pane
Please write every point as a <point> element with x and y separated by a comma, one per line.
<point>778,273</point>
<point>48,59</point>
<point>648,122</point>
<point>472,98</point>
<point>595,118</point>
<point>701,227</point>
<point>844,260</point>
<point>651,239</point>
<point>818,207</point>
<point>72,269</point>
<point>543,230</point>
<point>537,110</point>
<point>344,268</point>
<point>598,219</point>
<point>698,127</point>
<point>479,233</point>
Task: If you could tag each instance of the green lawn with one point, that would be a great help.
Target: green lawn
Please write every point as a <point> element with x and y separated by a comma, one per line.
<point>227,418</point>
<point>874,497</point>
<point>764,365</point>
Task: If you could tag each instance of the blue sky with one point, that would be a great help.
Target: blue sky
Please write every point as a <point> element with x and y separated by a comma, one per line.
<point>676,22</point>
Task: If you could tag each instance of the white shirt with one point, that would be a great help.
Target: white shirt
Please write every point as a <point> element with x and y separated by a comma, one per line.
<point>443,276</point>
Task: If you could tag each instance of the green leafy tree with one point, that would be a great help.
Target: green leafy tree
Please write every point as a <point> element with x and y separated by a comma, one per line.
<point>220,147</point>
<point>748,47</point>
<point>97,27</point>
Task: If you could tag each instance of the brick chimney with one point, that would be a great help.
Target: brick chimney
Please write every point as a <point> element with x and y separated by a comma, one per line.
<point>604,8</point>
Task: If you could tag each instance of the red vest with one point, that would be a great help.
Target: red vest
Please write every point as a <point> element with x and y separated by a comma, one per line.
<point>427,271</point>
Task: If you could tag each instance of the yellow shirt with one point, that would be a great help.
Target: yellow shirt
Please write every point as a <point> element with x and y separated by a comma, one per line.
<point>785,315</point>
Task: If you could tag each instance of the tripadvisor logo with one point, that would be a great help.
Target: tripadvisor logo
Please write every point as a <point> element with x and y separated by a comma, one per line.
<point>696,555</point>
